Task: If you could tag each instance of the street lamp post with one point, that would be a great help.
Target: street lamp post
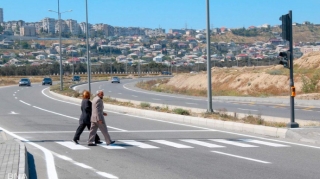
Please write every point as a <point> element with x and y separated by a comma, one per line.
<point>87,42</point>
<point>59,18</point>
<point>209,92</point>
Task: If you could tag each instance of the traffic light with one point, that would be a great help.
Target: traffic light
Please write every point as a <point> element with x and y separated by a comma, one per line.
<point>286,27</point>
<point>284,59</point>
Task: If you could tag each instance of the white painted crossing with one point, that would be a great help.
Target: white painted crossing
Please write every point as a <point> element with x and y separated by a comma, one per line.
<point>72,145</point>
<point>112,146</point>
<point>139,144</point>
<point>230,142</point>
<point>172,144</point>
<point>264,143</point>
<point>205,144</point>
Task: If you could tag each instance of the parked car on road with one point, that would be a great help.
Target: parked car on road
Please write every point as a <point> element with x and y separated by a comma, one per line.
<point>76,78</point>
<point>165,73</point>
<point>47,81</point>
<point>24,82</point>
<point>115,79</point>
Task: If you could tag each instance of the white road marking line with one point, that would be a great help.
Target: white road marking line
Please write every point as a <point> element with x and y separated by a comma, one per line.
<point>239,144</point>
<point>12,112</point>
<point>119,93</point>
<point>83,165</point>
<point>247,109</point>
<point>142,131</point>
<point>139,144</point>
<point>108,175</point>
<point>156,99</point>
<point>205,128</point>
<point>192,103</point>
<point>25,103</point>
<point>72,146</point>
<point>110,91</point>
<point>64,157</point>
<point>15,97</point>
<point>205,144</point>
<point>246,158</point>
<point>264,143</point>
<point>172,144</point>
<point>112,146</point>
<point>51,169</point>
<point>134,96</point>
<point>13,94</point>
<point>116,128</point>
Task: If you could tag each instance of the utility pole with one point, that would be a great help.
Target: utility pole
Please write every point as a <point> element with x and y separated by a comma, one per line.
<point>209,92</point>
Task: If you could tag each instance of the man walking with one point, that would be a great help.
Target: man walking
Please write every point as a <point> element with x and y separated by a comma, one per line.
<point>97,120</point>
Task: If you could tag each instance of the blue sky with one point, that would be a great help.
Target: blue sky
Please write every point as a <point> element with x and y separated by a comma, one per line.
<point>166,13</point>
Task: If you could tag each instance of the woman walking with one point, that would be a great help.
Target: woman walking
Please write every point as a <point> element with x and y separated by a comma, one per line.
<point>84,121</point>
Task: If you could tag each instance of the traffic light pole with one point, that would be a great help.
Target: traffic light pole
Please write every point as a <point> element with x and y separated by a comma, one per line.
<point>292,123</point>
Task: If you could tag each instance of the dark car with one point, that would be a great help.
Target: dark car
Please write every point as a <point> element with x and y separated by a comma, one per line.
<point>165,73</point>
<point>76,78</point>
<point>47,81</point>
<point>24,82</point>
<point>115,79</point>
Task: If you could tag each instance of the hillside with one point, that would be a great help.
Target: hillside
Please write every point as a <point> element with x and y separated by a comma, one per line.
<point>255,81</point>
<point>302,33</point>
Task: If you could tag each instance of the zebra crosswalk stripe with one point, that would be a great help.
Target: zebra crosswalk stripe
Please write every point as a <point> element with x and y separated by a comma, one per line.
<point>172,144</point>
<point>139,144</point>
<point>264,143</point>
<point>72,145</point>
<point>235,143</point>
<point>205,144</point>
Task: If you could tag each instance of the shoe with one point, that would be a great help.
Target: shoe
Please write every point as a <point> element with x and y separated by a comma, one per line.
<point>75,141</point>
<point>98,142</point>
<point>111,142</point>
<point>92,144</point>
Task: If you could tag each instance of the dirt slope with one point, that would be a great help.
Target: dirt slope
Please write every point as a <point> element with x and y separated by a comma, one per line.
<point>252,80</point>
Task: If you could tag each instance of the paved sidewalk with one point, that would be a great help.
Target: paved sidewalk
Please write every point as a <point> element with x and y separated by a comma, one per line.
<point>13,158</point>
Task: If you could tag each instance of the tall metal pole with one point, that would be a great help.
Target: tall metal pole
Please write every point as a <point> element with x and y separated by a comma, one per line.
<point>59,17</point>
<point>209,92</point>
<point>87,42</point>
<point>292,123</point>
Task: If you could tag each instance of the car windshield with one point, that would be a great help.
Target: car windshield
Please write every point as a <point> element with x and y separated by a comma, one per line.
<point>115,78</point>
<point>47,79</point>
<point>24,80</point>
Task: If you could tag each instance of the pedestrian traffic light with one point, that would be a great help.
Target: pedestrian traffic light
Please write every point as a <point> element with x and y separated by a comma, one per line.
<point>284,59</point>
<point>286,27</point>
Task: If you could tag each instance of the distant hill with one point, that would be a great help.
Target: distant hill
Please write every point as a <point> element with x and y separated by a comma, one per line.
<point>303,33</point>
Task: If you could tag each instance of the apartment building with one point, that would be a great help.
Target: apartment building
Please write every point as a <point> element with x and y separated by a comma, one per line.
<point>1,15</point>
<point>27,31</point>
<point>73,26</point>
<point>48,25</point>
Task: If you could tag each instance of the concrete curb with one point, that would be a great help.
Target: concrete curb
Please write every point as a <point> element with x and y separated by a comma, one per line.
<point>23,170</point>
<point>212,123</point>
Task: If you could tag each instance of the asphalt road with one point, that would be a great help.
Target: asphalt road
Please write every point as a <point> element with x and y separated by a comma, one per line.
<point>145,147</point>
<point>127,90</point>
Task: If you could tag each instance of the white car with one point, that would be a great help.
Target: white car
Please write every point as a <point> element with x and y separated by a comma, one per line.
<point>115,79</point>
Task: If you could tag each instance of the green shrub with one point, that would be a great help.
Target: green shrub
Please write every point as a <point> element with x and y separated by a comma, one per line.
<point>310,85</point>
<point>181,111</point>
<point>144,105</point>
